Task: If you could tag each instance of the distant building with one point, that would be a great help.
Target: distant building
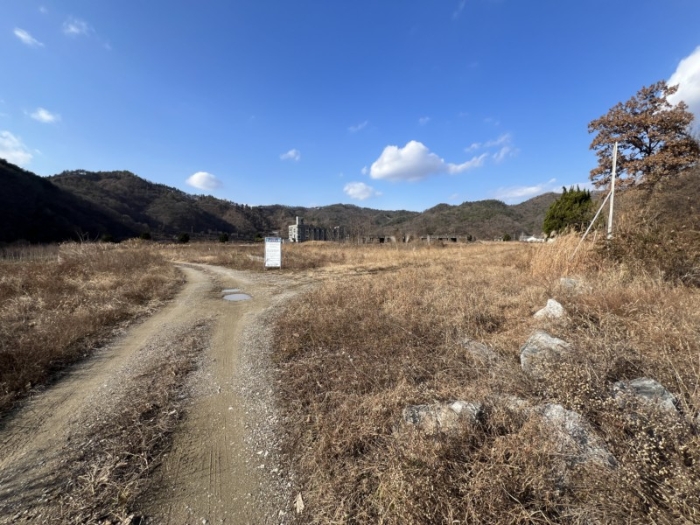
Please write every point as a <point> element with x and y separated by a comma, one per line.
<point>337,233</point>
<point>300,232</point>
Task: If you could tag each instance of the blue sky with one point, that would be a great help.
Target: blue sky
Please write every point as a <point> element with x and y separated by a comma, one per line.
<point>384,104</point>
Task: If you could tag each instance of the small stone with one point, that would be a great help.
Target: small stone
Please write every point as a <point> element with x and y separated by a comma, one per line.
<point>539,349</point>
<point>299,504</point>
<point>569,283</point>
<point>480,351</point>
<point>553,310</point>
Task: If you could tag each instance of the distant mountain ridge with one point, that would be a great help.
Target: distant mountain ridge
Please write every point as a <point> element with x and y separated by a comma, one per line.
<point>121,204</point>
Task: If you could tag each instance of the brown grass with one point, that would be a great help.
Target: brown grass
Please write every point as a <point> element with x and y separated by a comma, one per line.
<point>366,344</point>
<point>57,304</point>
<point>657,230</point>
<point>384,330</point>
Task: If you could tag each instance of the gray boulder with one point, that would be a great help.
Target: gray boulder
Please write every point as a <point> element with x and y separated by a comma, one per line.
<point>646,391</point>
<point>576,439</point>
<point>553,310</point>
<point>441,417</point>
<point>540,349</point>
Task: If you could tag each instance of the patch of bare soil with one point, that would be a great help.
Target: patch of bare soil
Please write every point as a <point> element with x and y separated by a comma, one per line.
<point>221,463</point>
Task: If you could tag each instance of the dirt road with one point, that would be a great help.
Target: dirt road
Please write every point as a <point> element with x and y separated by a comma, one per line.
<point>223,465</point>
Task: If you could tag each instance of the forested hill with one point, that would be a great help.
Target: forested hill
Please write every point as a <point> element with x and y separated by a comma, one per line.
<point>485,219</point>
<point>159,209</point>
<point>120,204</point>
<point>35,210</point>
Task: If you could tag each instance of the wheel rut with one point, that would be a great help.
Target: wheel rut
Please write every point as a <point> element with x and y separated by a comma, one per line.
<point>214,471</point>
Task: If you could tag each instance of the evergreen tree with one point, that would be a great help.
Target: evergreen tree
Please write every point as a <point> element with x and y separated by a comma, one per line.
<point>573,210</point>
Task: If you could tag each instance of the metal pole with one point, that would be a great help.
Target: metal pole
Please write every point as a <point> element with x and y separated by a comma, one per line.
<point>590,225</point>
<point>612,192</point>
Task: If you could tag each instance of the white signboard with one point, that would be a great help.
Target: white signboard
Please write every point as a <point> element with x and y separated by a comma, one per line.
<point>273,252</point>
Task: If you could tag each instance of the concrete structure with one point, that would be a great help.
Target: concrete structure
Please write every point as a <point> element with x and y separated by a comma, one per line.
<point>447,238</point>
<point>300,232</point>
<point>337,233</point>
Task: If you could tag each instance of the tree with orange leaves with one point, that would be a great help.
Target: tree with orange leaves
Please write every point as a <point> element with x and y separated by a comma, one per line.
<point>653,135</point>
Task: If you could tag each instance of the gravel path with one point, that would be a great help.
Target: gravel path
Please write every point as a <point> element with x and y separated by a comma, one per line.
<point>223,465</point>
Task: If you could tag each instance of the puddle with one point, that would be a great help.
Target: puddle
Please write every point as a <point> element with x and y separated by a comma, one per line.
<point>230,290</point>
<point>237,297</point>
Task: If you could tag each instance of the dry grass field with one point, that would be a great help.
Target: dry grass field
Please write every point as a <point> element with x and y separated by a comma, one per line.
<point>386,329</point>
<point>58,302</point>
<point>390,326</point>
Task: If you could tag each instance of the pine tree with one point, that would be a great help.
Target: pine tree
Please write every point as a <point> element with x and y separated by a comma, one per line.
<point>654,138</point>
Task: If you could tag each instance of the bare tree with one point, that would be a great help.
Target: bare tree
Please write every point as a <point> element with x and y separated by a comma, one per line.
<point>654,138</point>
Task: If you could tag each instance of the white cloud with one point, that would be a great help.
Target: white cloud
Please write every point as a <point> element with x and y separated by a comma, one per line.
<point>687,76</point>
<point>44,115</point>
<point>364,170</point>
<point>360,191</point>
<point>13,150</point>
<point>75,27</point>
<point>503,143</point>
<point>458,11</point>
<point>43,10</point>
<point>292,154</point>
<point>26,38</point>
<point>203,181</point>
<point>415,162</point>
<point>504,153</point>
<point>423,120</point>
<point>358,127</point>
<point>520,193</point>
<point>503,139</point>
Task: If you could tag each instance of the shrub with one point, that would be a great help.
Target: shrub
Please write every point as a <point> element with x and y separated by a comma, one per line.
<point>183,238</point>
<point>223,237</point>
<point>573,210</point>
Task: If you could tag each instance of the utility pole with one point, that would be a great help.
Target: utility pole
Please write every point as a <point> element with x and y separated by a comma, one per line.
<point>612,192</point>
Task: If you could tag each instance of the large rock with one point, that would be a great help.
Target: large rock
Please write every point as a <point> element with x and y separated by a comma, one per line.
<point>576,439</point>
<point>644,390</point>
<point>540,349</point>
<point>441,417</point>
<point>553,310</point>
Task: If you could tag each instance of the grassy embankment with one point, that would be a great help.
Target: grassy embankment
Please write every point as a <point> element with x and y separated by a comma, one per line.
<point>366,344</point>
